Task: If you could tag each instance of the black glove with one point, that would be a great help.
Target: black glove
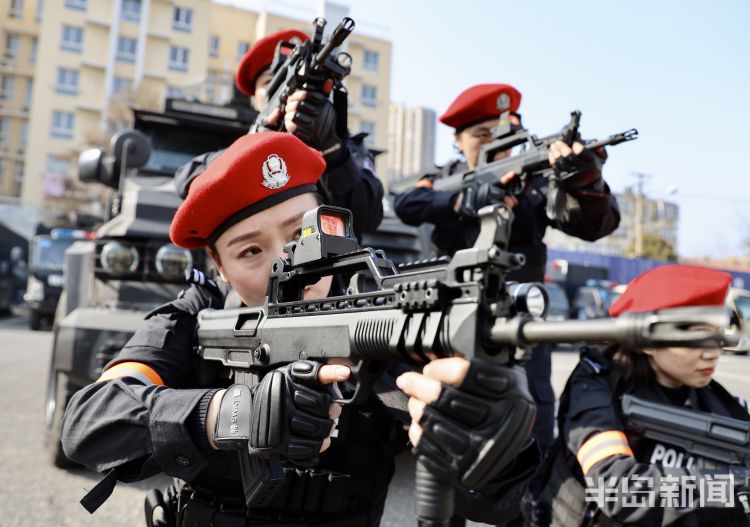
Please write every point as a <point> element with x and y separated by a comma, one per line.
<point>576,171</point>
<point>474,431</point>
<point>316,126</point>
<point>477,196</point>
<point>286,414</point>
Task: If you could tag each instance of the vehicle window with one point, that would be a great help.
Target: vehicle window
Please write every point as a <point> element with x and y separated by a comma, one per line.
<point>169,151</point>
<point>48,254</point>
<point>742,303</point>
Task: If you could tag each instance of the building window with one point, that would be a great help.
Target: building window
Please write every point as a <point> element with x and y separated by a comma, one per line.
<point>173,92</point>
<point>213,46</point>
<point>178,58</point>
<point>24,134</point>
<point>29,93</point>
<point>131,10</point>
<point>62,124</point>
<point>39,10</point>
<point>76,4</point>
<point>18,176</point>
<point>11,46</point>
<point>182,19</point>
<point>72,39</point>
<point>369,95</point>
<point>32,52</point>
<point>4,131</point>
<point>126,48</point>
<point>67,81</point>
<point>121,85</point>
<point>371,61</point>
<point>7,84</point>
<point>242,48</point>
<point>369,128</point>
<point>16,9</point>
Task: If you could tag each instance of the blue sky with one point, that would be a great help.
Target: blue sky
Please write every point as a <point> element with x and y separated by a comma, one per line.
<point>677,71</point>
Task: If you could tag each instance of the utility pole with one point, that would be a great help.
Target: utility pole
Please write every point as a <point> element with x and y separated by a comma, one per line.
<point>638,223</point>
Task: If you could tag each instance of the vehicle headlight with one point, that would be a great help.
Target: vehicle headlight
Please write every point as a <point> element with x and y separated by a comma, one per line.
<point>34,290</point>
<point>173,261</point>
<point>530,297</point>
<point>118,258</point>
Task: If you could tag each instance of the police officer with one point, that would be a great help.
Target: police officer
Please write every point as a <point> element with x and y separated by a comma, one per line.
<point>349,180</point>
<point>158,408</point>
<point>594,441</point>
<point>473,115</point>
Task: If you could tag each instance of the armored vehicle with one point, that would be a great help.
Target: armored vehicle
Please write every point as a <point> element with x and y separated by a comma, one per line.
<point>113,281</point>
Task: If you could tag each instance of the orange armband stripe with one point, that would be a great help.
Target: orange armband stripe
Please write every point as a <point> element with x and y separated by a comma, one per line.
<point>602,446</point>
<point>136,370</point>
<point>424,183</point>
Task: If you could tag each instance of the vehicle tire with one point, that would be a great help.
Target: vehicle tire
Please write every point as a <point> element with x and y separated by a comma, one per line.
<point>59,391</point>
<point>35,321</point>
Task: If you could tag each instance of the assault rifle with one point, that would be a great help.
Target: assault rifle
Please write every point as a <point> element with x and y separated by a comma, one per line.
<point>414,313</point>
<point>309,65</point>
<point>532,159</point>
<point>703,434</point>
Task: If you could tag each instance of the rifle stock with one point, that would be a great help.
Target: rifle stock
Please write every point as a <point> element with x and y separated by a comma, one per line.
<point>703,434</point>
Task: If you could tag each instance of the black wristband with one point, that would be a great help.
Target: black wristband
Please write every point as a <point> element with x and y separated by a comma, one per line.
<point>196,422</point>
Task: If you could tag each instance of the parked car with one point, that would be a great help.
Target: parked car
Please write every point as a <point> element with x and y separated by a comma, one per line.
<point>559,306</point>
<point>739,300</point>
<point>593,300</point>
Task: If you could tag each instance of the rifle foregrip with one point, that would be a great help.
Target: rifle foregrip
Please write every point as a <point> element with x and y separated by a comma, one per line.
<point>434,499</point>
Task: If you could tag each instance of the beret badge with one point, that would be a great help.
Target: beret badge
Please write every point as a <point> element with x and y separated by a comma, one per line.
<point>274,172</point>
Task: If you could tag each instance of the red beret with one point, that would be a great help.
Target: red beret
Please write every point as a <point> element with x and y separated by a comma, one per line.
<point>479,103</point>
<point>673,286</point>
<point>256,172</point>
<point>260,56</point>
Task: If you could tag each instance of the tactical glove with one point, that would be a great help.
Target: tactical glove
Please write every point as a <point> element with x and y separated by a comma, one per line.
<point>285,415</point>
<point>577,171</point>
<point>316,126</point>
<point>478,196</point>
<point>474,431</point>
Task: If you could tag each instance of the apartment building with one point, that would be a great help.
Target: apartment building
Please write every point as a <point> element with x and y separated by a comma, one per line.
<point>77,65</point>
<point>411,143</point>
<point>19,29</point>
<point>660,217</point>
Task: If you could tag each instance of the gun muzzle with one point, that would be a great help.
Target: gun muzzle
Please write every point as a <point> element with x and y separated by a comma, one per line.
<point>339,35</point>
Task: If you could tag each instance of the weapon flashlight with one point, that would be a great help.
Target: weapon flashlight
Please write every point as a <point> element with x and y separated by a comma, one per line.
<point>529,297</point>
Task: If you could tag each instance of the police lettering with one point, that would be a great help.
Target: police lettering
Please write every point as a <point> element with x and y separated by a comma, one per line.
<point>669,457</point>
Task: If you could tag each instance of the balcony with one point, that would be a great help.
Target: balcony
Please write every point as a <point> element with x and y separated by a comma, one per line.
<point>98,22</point>
<point>6,111</point>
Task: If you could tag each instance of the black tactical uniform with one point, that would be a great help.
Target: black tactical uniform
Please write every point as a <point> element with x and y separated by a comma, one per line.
<point>590,405</point>
<point>599,217</point>
<point>136,430</point>
<point>352,184</point>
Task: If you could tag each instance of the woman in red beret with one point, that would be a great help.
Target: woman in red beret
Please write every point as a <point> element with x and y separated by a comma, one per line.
<point>597,464</point>
<point>473,115</point>
<point>157,408</point>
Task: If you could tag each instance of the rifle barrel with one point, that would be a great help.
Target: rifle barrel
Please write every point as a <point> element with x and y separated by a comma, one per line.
<point>339,35</point>
<point>614,139</point>
<point>686,327</point>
